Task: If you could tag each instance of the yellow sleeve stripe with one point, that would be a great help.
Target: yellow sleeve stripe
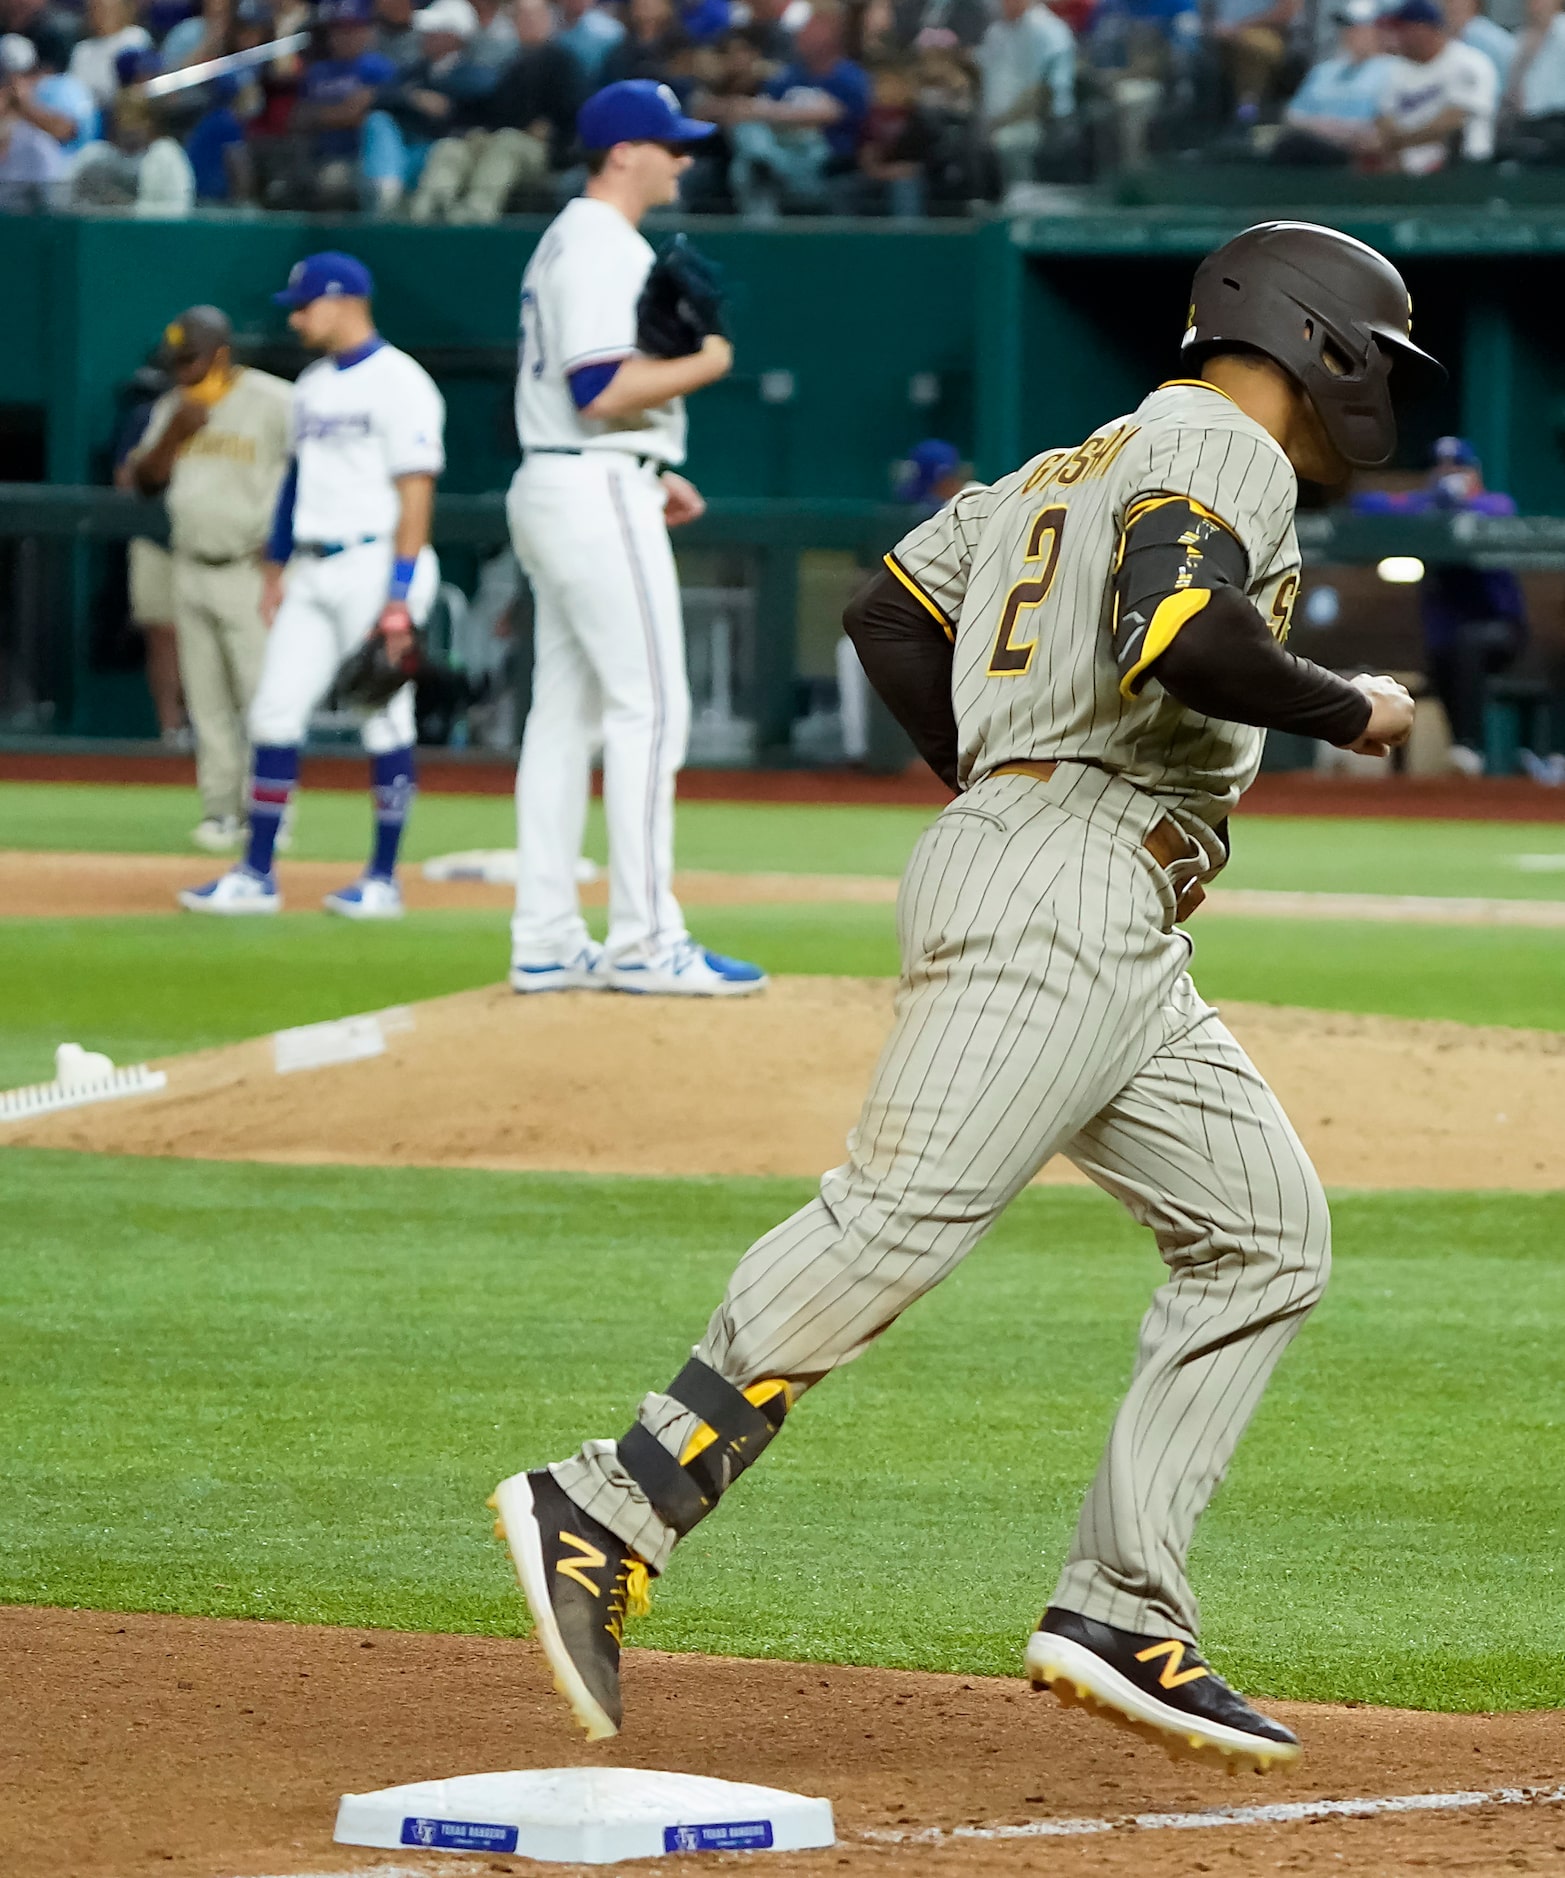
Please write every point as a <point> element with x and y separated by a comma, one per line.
<point>1144,505</point>
<point>1172,614</point>
<point>919,594</point>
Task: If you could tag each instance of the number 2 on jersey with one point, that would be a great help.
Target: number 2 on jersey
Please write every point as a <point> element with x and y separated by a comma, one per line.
<point>1012,657</point>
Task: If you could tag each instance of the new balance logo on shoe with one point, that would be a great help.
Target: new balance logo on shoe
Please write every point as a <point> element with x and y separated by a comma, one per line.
<point>1171,1676</point>
<point>590,1560</point>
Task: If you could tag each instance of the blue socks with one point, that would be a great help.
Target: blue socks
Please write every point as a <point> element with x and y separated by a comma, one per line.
<point>392,787</point>
<point>275,777</point>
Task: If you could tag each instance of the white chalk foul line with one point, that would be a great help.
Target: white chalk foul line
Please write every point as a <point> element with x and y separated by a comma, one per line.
<point>1286,1813</point>
<point>362,1871</point>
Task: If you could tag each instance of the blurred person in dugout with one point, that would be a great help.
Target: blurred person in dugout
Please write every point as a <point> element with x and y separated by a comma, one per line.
<point>150,571</point>
<point>1474,619</point>
<point>216,446</point>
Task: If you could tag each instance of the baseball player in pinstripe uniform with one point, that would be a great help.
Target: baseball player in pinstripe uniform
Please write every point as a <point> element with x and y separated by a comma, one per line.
<point>1089,652</point>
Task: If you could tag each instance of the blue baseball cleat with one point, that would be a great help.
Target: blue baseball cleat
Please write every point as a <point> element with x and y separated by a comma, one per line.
<point>689,971</point>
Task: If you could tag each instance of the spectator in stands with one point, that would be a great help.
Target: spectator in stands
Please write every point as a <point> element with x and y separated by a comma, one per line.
<point>111,30</point>
<point>140,166</point>
<point>1251,38</point>
<point>218,149</point>
<point>1335,114</point>
<point>265,101</point>
<point>395,34</point>
<point>589,34</point>
<point>431,100</point>
<point>653,39</point>
<point>775,25</point>
<point>965,20</point>
<point>50,31</point>
<point>803,128</point>
<point>33,167</point>
<point>337,93</point>
<point>1468,21</point>
<point>1027,67</point>
<point>1442,99</point>
<point>870,33</point>
<point>1535,94</point>
<point>52,101</point>
<point>494,45</point>
<point>1146,39</point>
<point>525,131</point>
<point>204,35</point>
<point>899,140</point>
<point>704,22</point>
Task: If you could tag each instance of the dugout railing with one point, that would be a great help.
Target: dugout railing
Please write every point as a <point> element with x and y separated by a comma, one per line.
<point>769,573</point>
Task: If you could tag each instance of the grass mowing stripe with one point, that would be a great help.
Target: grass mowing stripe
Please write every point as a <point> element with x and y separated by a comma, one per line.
<point>286,1391</point>
<point>1324,854</point>
<point>333,825</point>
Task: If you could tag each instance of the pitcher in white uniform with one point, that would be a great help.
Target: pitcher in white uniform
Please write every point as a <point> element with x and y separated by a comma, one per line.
<point>601,427</point>
<point>349,555</point>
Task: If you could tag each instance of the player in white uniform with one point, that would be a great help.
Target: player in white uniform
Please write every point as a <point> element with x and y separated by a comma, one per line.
<point>349,555</point>
<point>601,426</point>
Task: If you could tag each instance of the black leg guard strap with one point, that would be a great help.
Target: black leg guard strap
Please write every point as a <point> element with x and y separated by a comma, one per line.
<point>720,1405</point>
<point>735,1431</point>
<point>677,1499</point>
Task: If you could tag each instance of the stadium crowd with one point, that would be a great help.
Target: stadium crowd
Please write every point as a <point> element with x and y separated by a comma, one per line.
<point>462,110</point>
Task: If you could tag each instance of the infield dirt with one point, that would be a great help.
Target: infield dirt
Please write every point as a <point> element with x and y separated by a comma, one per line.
<point>771,1085</point>
<point>132,1745</point>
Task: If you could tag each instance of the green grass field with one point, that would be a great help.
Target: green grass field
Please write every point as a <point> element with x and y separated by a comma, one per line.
<point>286,1392</point>
<point>1312,854</point>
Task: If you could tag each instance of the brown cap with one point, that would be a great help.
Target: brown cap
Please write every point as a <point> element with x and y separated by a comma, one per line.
<point>195,334</point>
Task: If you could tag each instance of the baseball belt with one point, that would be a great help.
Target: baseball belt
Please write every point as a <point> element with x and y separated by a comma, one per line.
<point>1165,841</point>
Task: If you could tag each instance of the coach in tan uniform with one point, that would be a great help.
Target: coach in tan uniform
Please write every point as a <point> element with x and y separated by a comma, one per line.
<point>218,446</point>
<point>1088,651</point>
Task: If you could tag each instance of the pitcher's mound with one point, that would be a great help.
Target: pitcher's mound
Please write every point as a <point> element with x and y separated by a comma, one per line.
<point>600,1083</point>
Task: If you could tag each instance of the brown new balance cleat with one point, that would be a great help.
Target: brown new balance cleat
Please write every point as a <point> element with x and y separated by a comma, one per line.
<point>1160,1687</point>
<point>580,1583</point>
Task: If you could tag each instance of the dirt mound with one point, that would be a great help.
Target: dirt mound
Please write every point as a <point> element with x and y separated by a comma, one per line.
<point>771,1085</point>
<point>215,1748</point>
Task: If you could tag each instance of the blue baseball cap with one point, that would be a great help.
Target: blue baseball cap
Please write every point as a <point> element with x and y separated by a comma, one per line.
<point>1455,450</point>
<point>1414,13</point>
<point>926,464</point>
<point>319,275</point>
<point>636,110</point>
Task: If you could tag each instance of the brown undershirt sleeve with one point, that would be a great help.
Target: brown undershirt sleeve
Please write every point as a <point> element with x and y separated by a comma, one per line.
<point>906,654</point>
<point>1224,662</point>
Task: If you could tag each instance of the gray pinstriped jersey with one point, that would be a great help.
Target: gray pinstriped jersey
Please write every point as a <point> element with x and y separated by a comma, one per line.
<point>1021,574</point>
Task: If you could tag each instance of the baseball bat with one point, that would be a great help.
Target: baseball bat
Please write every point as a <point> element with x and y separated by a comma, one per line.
<point>189,75</point>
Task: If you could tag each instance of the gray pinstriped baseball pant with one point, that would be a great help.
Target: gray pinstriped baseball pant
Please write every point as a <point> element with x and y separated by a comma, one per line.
<point>1044,1008</point>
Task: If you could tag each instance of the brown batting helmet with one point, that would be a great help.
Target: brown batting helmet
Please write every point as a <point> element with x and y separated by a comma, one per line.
<point>1332,312</point>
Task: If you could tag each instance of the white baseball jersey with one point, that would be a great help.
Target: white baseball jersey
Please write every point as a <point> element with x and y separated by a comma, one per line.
<point>1461,77</point>
<point>356,428</point>
<point>1021,573</point>
<point>579,297</point>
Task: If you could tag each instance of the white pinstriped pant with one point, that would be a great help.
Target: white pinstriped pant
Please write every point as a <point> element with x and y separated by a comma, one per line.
<point>1044,1007</point>
<point>609,674</point>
